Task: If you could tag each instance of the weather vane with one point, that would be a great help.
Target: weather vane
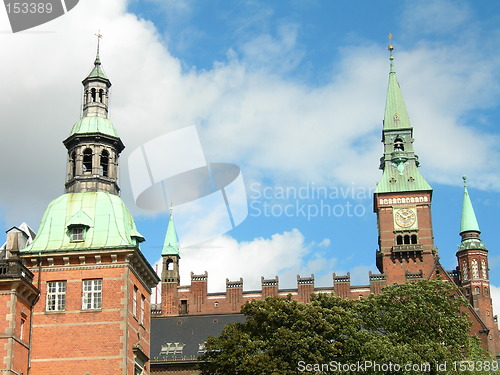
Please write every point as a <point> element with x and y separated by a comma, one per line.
<point>99,36</point>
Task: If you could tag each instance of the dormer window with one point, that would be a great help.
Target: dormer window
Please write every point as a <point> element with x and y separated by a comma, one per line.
<point>77,233</point>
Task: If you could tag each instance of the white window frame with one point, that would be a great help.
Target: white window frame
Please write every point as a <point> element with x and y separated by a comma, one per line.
<point>92,294</point>
<point>143,309</point>
<point>134,301</point>
<point>56,296</point>
<point>77,234</point>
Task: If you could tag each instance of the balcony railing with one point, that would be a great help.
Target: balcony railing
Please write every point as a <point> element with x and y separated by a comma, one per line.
<point>10,268</point>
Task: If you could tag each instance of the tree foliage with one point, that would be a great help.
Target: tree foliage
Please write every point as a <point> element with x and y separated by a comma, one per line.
<point>417,324</point>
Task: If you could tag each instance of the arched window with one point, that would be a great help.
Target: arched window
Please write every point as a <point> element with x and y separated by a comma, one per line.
<point>399,240</point>
<point>104,165</point>
<point>87,160</point>
<point>72,161</point>
<point>465,271</point>
<point>407,239</point>
<point>93,93</point>
<point>170,265</point>
<point>101,95</point>
<point>414,239</point>
<point>399,145</point>
<point>475,269</point>
<point>484,269</point>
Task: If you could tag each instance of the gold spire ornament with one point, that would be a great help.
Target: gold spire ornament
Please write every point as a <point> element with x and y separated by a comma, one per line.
<point>99,36</point>
<point>390,47</point>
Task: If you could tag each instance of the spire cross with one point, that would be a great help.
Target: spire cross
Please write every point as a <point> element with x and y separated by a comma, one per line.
<point>464,177</point>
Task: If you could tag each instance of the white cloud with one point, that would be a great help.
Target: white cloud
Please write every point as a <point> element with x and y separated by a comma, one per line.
<point>255,118</point>
<point>285,255</point>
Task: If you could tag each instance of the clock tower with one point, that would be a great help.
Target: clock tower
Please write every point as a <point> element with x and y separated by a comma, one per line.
<point>402,198</point>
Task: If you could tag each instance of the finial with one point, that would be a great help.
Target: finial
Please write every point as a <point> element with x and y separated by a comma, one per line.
<point>99,36</point>
<point>171,208</point>
<point>390,46</point>
<point>464,177</point>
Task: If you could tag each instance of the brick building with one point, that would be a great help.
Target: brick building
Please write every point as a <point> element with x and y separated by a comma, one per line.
<point>406,252</point>
<point>75,297</point>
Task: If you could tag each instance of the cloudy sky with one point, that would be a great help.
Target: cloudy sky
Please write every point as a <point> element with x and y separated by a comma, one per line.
<point>290,92</point>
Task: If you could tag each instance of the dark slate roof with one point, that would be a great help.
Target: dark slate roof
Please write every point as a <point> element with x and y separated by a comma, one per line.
<point>190,330</point>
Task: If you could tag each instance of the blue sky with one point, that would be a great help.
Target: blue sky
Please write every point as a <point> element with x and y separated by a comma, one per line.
<point>291,92</point>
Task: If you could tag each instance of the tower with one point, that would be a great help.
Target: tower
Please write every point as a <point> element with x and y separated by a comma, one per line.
<point>472,256</point>
<point>93,315</point>
<point>170,271</point>
<point>402,198</point>
<point>93,144</point>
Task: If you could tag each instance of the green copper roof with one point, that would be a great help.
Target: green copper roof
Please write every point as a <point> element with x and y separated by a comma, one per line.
<point>396,115</point>
<point>469,221</point>
<point>106,220</point>
<point>97,71</point>
<point>410,179</point>
<point>94,124</point>
<point>171,244</point>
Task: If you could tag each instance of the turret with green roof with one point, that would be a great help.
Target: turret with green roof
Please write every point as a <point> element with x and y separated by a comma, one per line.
<point>469,228</point>
<point>170,257</point>
<point>399,163</point>
<point>469,221</point>
<point>171,244</point>
<point>90,215</point>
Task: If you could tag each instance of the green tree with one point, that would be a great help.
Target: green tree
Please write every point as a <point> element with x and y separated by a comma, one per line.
<point>421,324</point>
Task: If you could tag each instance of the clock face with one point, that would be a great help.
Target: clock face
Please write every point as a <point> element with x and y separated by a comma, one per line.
<point>405,217</point>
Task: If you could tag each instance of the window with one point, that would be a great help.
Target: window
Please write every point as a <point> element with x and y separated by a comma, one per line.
<point>201,348</point>
<point>139,366</point>
<point>143,303</point>
<point>72,161</point>
<point>92,294</point>
<point>21,329</point>
<point>475,269</point>
<point>399,240</point>
<point>134,301</point>
<point>484,269</point>
<point>399,145</point>
<point>104,167</point>
<point>465,271</point>
<point>77,234</point>
<point>171,348</point>
<point>56,296</point>
<point>414,239</point>
<point>170,265</point>
<point>87,160</point>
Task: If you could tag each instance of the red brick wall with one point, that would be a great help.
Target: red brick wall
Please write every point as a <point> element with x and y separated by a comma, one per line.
<point>14,344</point>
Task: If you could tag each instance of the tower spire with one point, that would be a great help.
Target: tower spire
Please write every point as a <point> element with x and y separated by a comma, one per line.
<point>469,221</point>
<point>171,244</point>
<point>399,163</point>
